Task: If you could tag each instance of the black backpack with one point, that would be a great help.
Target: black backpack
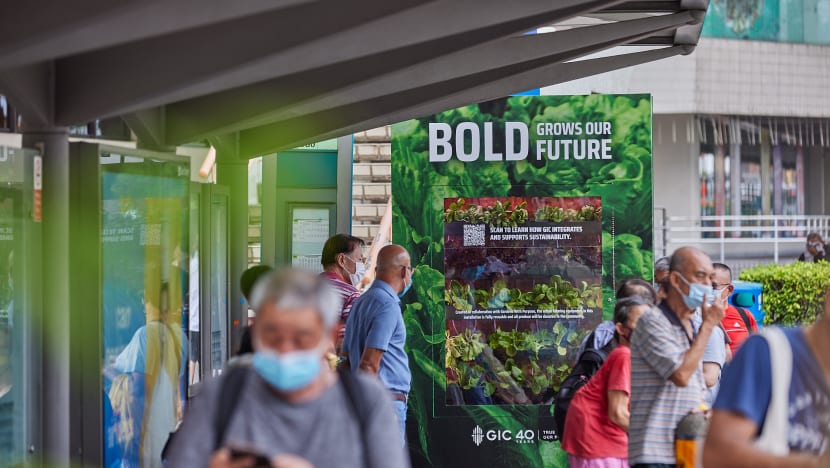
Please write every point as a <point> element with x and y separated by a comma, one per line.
<point>232,386</point>
<point>587,364</point>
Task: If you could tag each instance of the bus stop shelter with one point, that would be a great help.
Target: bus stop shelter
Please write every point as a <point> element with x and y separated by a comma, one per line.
<point>253,78</point>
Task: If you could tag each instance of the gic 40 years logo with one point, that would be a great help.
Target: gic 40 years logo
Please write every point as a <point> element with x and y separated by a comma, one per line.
<point>522,436</point>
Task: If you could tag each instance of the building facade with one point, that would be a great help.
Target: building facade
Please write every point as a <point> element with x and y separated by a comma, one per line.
<point>741,127</point>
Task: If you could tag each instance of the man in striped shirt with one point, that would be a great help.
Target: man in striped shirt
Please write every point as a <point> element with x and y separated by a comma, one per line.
<point>343,266</point>
<point>666,359</point>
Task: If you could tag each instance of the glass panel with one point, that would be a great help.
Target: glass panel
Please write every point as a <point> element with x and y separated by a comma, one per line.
<point>707,184</point>
<point>144,288</point>
<point>750,188</point>
<point>219,311</point>
<point>14,391</point>
<point>193,322</point>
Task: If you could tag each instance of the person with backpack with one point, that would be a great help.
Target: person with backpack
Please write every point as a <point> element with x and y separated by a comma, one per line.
<point>287,408</point>
<point>596,424</point>
<point>737,322</point>
<point>773,409</point>
<point>593,351</point>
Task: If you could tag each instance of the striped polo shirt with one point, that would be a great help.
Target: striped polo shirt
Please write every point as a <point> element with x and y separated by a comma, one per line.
<point>657,405</point>
<point>347,293</point>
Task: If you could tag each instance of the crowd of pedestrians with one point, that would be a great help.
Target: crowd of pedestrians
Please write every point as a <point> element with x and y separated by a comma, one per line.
<point>769,406</point>
<point>322,359</point>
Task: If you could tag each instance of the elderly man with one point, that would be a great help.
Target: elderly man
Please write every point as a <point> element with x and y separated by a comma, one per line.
<point>288,408</point>
<point>666,358</point>
<point>375,332</point>
<point>761,417</point>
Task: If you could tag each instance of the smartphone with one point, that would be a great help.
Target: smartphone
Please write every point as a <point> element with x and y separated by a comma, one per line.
<point>260,460</point>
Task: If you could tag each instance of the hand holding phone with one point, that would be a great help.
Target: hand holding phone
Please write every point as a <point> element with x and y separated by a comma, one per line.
<point>252,455</point>
<point>239,457</point>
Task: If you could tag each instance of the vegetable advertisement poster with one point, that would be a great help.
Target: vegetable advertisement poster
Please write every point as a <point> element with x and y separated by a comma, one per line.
<point>521,215</point>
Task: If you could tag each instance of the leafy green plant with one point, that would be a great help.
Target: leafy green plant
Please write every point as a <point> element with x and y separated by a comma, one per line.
<point>529,371</point>
<point>558,294</point>
<point>558,214</point>
<point>459,296</point>
<point>461,354</point>
<point>499,215</point>
<point>793,294</point>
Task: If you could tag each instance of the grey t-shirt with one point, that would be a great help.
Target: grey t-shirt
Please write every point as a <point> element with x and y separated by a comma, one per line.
<point>324,431</point>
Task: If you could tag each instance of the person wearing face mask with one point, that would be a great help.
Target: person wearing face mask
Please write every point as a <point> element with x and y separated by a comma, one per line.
<point>375,332</point>
<point>287,408</point>
<point>667,351</point>
<point>344,268</point>
<point>816,250</point>
<point>596,425</point>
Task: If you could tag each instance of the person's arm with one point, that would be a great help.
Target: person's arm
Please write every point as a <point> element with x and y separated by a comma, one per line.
<point>683,374</point>
<point>618,411</point>
<point>370,360</point>
<point>711,373</point>
<point>378,337</point>
<point>714,357</point>
<point>712,315</point>
<point>729,444</point>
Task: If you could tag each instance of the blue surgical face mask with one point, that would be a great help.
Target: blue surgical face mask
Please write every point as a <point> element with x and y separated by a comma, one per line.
<point>697,293</point>
<point>406,287</point>
<point>288,371</point>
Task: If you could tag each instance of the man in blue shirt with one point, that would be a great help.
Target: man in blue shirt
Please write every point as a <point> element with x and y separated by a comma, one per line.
<point>375,332</point>
<point>746,397</point>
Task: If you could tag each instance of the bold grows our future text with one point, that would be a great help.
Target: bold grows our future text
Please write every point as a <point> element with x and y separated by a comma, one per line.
<point>465,142</point>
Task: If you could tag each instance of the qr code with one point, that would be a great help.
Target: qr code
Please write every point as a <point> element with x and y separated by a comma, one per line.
<point>473,234</point>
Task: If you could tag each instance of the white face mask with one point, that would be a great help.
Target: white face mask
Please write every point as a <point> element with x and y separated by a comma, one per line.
<point>359,272</point>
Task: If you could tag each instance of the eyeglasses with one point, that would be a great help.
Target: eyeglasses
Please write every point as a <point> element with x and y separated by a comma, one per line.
<point>359,260</point>
<point>720,287</point>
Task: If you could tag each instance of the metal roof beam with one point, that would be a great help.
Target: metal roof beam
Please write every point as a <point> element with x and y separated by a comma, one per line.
<point>29,89</point>
<point>349,119</point>
<point>274,44</point>
<point>263,103</point>
<point>41,30</point>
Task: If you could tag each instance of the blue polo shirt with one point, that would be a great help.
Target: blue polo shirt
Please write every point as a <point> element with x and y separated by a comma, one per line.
<point>376,321</point>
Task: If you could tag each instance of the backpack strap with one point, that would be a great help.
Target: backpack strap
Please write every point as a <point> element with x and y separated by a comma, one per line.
<point>232,384</point>
<point>773,439</point>
<point>359,404</point>
<point>745,318</point>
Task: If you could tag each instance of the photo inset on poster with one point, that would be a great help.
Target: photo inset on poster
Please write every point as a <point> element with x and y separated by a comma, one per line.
<point>523,286</point>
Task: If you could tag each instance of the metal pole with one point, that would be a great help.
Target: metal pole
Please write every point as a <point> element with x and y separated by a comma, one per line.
<point>55,383</point>
<point>233,173</point>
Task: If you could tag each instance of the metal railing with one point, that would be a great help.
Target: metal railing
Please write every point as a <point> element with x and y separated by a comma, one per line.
<point>748,236</point>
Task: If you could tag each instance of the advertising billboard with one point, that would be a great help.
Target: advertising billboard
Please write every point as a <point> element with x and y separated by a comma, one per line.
<point>521,215</point>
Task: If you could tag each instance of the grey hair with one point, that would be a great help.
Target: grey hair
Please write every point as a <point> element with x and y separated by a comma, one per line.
<point>662,264</point>
<point>292,289</point>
